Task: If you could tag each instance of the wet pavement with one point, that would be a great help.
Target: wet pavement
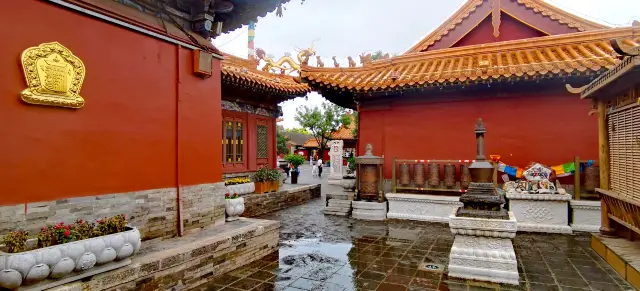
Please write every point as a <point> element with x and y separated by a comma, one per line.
<point>319,252</point>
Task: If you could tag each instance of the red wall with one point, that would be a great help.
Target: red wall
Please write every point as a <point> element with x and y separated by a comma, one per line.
<point>251,162</point>
<point>131,134</point>
<point>510,29</point>
<point>550,128</point>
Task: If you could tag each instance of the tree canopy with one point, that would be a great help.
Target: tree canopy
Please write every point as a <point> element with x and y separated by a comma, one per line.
<point>298,130</point>
<point>322,121</point>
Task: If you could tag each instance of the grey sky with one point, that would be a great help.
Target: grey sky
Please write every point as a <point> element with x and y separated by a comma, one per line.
<point>350,27</point>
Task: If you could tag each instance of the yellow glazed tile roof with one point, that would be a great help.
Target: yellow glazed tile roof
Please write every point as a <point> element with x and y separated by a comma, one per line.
<point>537,6</point>
<point>242,71</point>
<point>345,132</point>
<point>558,55</point>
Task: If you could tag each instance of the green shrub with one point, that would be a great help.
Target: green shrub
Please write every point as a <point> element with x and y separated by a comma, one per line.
<point>295,159</point>
<point>261,175</point>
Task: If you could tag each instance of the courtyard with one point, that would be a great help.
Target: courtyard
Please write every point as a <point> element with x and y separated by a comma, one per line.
<point>319,252</point>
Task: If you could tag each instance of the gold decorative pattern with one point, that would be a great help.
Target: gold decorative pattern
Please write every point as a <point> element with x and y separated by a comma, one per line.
<point>54,76</point>
<point>237,70</point>
<point>537,6</point>
<point>555,55</point>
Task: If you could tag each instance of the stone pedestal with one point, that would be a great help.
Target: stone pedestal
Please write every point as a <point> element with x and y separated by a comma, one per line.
<point>434,208</point>
<point>482,249</point>
<point>339,204</point>
<point>369,210</point>
<point>335,154</point>
<point>586,215</point>
<point>541,212</point>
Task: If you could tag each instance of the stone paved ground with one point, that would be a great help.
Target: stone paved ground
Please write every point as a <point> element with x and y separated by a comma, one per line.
<point>321,252</point>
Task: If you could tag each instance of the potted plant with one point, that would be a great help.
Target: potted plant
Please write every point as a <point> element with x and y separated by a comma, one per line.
<point>273,178</point>
<point>239,186</point>
<point>61,249</point>
<point>234,206</point>
<point>260,180</point>
<point>349,180</point>
<point>296,161</point>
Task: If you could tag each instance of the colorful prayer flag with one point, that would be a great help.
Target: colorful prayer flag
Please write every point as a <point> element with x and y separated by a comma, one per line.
<point>559,169</point>
<point>509,170</point>
<point>519,173</point>
<point>569,167</point>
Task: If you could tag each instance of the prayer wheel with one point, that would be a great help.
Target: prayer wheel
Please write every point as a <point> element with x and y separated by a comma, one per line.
<point>368,181</point>
<point>418,174</point>
<point>405,175</point>
<point>591,178</point>
<point>449,175</point>
<point>434,175</point>
<point>465,176</point>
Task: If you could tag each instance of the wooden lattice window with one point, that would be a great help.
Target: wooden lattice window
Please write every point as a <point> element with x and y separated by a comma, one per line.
<point>624,149</point>
<point>232,141</point>
<point>263,142</point>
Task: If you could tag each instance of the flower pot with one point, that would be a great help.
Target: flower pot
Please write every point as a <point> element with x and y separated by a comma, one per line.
<point>294,177</point>
<point>275,186</point>
<point>241,188</point>
<point>348,184</point>
<point>61,260</point>
<point>260,187</point>
<point>234,208</point>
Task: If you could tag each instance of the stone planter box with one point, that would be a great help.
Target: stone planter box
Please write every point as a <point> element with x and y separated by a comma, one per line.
<point>434,208</point>
<point>60,261</point>
<point>239,189</point>
<point>586,215</point>
<point>541,212</point>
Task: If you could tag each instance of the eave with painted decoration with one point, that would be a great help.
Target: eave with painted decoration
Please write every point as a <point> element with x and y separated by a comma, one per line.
<point>242,74</point>
<point>543,57</point>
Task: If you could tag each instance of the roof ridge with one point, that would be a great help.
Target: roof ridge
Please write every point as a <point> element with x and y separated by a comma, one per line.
<point>553,12</point>
<point>520,44</point>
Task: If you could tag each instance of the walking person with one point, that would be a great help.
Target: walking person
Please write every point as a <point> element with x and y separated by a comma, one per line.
<point>319,164</point>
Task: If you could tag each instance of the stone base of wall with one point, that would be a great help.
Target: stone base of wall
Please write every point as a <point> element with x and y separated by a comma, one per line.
<point>190,261</point>
<point>259,204</point>
<point>154,212</point>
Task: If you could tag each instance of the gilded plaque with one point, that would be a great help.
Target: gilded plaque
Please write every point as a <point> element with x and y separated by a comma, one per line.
<point>54,76</point>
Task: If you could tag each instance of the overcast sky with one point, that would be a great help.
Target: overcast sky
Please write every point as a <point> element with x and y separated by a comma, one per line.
<point>350,27</point>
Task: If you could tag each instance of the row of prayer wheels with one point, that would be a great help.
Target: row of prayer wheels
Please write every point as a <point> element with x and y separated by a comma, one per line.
<point>433,178</point>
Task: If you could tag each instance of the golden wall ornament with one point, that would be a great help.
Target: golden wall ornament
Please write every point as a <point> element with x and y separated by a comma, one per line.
<point>54,76</point>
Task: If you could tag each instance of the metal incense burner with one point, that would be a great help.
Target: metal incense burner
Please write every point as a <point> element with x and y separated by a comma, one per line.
<point>369,178</point>
<point>482,200</point>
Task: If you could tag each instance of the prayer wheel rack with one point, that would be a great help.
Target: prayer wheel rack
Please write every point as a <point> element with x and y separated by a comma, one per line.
<point>577,188</point>
<point>427,188</point>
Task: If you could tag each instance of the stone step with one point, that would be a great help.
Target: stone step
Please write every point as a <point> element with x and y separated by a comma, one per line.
<point>368,216</point>
<point>369,205</point>
<point>336,213</point>
<point>340,196</point>
<point>340,203</point>
<point>338,209</point>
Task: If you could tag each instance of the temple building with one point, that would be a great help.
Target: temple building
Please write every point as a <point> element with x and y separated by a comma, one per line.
<point>507,61</point>
<point>250,109</point>
<point>345,133</point>
<point>119,107</point>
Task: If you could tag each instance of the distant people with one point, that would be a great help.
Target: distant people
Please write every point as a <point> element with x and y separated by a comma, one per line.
<point>319,165</point>
<point>314,170</point>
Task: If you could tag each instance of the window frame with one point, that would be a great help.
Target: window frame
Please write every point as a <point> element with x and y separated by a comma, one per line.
<point>234,141</point>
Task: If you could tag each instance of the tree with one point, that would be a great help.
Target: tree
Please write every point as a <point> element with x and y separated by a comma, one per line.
<point>355,127</point>
<point>298,130</point>
<point>281,143</point>
<point>381,55</point>
<point>322,121</point>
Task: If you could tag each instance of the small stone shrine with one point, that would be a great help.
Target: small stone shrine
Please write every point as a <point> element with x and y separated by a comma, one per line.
<point>482,249</point>
<point>371,204</point>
